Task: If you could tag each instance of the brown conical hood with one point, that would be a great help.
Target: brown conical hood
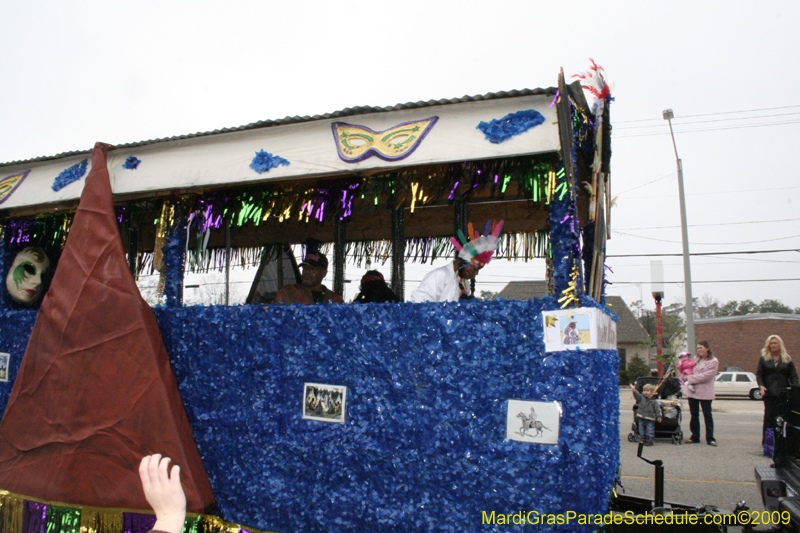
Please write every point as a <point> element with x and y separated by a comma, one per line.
<point>95,391</point>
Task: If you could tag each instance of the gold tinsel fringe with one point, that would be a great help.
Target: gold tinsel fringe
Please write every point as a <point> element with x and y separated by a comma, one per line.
<point>67,518</point>
<point>100,521</point>
<point>10,512</point>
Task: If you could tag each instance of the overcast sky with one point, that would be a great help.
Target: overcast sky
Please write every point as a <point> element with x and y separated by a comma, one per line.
<point>83,71</point>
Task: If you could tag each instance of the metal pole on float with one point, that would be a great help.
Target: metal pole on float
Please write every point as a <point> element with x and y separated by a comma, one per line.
<point>687,268</point>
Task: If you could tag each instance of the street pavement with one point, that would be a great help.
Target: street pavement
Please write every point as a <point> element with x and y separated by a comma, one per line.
<point>697,473</point>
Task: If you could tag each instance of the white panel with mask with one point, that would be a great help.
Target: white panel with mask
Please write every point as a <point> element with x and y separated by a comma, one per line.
<point>24,280</point>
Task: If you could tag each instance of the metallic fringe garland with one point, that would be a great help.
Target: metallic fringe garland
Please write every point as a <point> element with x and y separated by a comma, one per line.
<point>518,246</point>
<point>11,512</point>
<point>525,246</point>
<point>364,253</point>
<point>100,521</point>
<point>211,259</point>
<point>322,201</point>
<point>64,518</point>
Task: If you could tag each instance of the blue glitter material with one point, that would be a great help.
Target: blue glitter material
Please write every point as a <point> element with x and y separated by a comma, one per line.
<point>264,161</point>
<point>174,258</point>
<point>67,176</point>
<point>423,447</point>
<point>16,330</point>
<point>563,238</point>
<point>131,163</point>
<point>499,130</point>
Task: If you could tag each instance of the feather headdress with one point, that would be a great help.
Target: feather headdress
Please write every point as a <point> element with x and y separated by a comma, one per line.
<point>478,247</point>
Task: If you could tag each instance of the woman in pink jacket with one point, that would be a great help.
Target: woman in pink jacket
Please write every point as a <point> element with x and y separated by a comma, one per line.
<point>703,380</point>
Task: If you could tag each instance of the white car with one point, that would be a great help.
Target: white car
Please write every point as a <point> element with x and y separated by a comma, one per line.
<point>737,384</point>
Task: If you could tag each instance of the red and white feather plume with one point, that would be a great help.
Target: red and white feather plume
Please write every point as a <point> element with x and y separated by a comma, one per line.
<point>594,81</point>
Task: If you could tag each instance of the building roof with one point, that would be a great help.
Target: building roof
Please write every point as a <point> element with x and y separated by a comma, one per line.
<point>743,318</point>
<point>524,290</point>
<point>629,330</point>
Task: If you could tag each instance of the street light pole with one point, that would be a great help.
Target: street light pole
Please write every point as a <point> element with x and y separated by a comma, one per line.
<point>687,268</point>
<point>657,286</point>
<point>659,333</point>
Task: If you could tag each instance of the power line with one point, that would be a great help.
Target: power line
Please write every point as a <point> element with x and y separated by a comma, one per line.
<point>706,243</point>
<point>712,281</point>
<point>623,136</point>
<point>716,224</point>
<point>750,261</point>
<point>714,114</point>
<point>743,261</point>
<point>708,121</point>
<point>646,184</point>
<point>715,193</point>
<point>710,253</point>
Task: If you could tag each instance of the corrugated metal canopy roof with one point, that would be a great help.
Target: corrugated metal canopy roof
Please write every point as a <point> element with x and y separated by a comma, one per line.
<point>350,111</point>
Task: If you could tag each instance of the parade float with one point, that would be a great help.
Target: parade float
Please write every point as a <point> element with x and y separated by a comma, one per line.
<point>447,417</point>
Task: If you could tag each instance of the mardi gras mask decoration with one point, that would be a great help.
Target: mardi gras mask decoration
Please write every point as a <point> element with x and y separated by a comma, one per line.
<point>24,280</point>
<point>478,248</point>
<point>356,143</point>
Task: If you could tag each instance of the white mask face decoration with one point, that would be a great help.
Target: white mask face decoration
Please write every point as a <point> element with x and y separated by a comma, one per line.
<point>24,280</point>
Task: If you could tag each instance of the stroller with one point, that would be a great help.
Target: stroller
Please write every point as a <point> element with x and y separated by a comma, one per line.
<point>668,393</point>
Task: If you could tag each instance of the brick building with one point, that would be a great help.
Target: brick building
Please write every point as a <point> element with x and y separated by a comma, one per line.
<point>632,339</point>
<point>738,340</point>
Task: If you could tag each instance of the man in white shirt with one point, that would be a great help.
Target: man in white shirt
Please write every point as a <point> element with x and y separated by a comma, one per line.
<point>448,283</point>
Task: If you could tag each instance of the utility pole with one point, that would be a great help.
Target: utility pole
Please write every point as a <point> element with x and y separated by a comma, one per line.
<point>687,267</point>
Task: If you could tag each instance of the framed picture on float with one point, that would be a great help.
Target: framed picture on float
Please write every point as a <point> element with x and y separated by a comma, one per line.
<point>325,403</point>
<point>4,360</point>
<point>535,422</point>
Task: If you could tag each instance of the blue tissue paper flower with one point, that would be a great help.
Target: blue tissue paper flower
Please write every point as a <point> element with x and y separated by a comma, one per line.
<point>73,173</point>
<point>498,130</point>
<point>131,163</point>
<point>264,161</point>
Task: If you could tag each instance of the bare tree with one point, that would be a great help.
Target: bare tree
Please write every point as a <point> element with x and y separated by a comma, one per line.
<point>706,307</point>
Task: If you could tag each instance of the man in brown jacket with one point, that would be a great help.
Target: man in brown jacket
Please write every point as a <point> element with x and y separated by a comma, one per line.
<point>310,290</point>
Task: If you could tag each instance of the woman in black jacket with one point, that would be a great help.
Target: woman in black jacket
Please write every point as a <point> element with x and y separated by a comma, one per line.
<point>776,371</point>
